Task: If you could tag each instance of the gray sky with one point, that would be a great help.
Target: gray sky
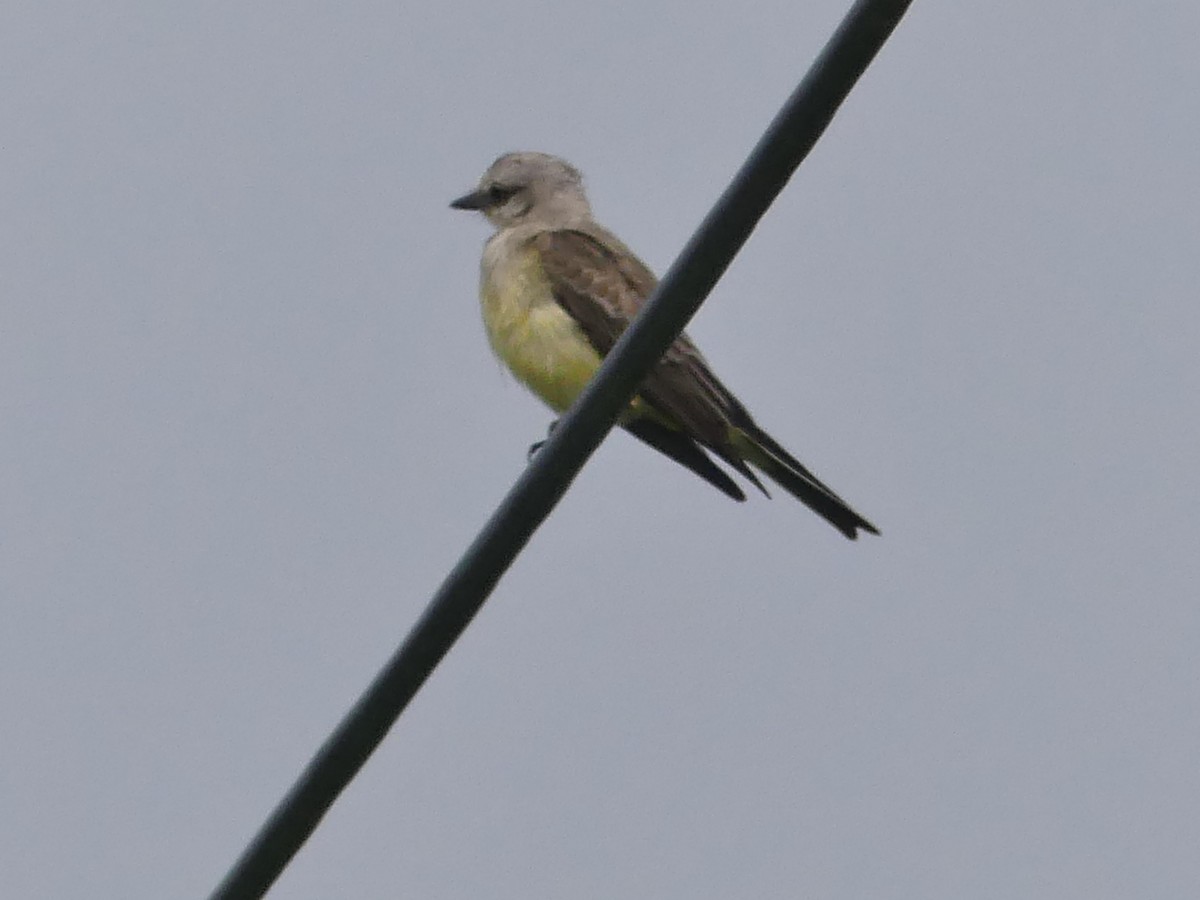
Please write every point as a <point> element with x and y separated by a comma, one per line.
<point>251,421</point>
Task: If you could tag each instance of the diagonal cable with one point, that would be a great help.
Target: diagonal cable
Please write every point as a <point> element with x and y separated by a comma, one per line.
<point>722,233</point>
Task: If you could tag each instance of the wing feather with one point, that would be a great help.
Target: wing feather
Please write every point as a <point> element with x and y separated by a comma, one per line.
<point>601,284</point>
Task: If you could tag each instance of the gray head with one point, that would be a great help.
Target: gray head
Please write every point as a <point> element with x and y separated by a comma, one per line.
<point>528,187</point>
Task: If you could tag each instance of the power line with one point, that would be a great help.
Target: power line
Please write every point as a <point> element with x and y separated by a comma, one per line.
<point>722,233</point>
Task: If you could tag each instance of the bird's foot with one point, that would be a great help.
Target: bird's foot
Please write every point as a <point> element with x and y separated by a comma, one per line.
<point>534,448</point>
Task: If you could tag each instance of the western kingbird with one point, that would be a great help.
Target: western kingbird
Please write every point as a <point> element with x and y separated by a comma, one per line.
<point>558,289</point>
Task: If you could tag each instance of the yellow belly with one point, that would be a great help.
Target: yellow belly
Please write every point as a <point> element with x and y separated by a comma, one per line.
<point>545,349</point>
<point>533,335</point>
<point>537,339</point>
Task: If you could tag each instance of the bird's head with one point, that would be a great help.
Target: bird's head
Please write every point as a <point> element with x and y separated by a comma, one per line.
<point>528,186</point>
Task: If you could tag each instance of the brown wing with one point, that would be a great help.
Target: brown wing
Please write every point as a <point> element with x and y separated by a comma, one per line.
<point>602,286</point>
<point>602,289</point>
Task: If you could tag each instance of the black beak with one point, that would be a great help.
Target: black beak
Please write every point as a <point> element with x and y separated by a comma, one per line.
<point>473,200</point>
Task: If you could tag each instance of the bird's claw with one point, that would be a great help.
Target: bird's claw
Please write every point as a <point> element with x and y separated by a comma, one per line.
<point>534,448</point>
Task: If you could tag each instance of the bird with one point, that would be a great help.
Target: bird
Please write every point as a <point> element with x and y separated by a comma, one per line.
<point>557,290</point>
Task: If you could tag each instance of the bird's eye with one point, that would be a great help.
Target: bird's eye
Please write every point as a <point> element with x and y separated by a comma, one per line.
<point>498,193</point>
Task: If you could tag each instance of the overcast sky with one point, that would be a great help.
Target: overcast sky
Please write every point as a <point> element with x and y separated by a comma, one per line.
<point>251,420</point>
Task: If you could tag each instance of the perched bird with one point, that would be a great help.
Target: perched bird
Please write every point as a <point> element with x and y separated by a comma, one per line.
<point>558,289</point>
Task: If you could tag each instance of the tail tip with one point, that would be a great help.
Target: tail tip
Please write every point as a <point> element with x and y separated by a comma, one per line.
<point>851,530</point>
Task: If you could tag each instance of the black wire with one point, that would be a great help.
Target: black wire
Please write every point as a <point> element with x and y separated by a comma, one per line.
<point>722,233</point>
